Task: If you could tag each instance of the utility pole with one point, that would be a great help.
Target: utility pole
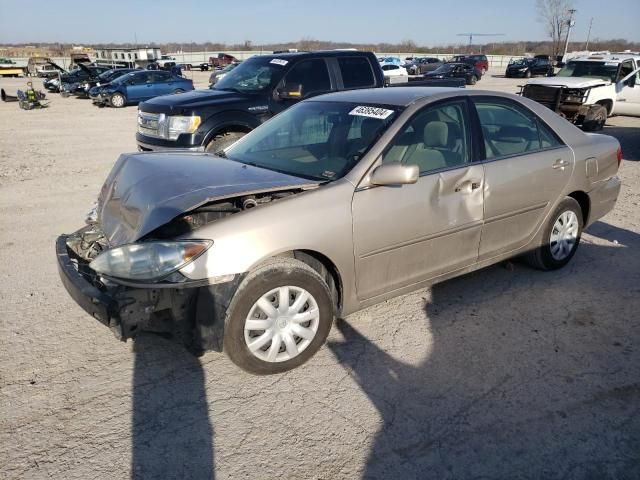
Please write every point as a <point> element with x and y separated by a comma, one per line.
<point>586,45</point>
<point>570,24</point>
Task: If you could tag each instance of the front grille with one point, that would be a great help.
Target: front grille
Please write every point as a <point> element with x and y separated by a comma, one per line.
<point>151,124</point>
<point>556,97</point>
<point>547,96</point>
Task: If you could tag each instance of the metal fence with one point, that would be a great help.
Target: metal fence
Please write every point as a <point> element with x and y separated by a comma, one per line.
<point>495,61</point>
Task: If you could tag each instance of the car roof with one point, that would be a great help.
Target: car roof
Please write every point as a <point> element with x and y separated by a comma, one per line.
<point>397,96</point>
<point>610,57</point>
<point>316,53</point>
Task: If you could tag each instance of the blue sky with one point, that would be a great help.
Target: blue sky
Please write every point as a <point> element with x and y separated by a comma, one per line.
<point>426,23</point>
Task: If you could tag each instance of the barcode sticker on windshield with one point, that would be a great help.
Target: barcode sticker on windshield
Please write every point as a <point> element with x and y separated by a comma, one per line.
<point>279,61</point>
<point>373,112</point>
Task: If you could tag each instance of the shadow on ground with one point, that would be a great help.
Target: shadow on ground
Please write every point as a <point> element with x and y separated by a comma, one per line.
<point>510,390</point>
<point>171,430</point>
<point>629,138</point>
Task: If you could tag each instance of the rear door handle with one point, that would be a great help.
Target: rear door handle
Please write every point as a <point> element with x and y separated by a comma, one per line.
<point>560,164</point>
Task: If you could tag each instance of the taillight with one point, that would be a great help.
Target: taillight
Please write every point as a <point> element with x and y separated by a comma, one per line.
<point>619,153</point>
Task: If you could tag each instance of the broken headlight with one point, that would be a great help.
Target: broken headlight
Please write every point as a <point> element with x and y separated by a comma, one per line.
<point>148,261</point>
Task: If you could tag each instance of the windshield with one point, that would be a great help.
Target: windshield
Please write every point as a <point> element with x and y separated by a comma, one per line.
<point>602,70</point>
<point>314,140</point>
<point>447,67</point>
<point>519,61</point>
<point>253,76</point>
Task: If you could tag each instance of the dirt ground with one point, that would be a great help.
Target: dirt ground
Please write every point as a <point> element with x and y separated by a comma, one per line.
<point>504,373</point>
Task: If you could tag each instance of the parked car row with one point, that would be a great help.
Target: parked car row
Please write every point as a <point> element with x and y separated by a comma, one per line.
<point>118,87</point>
<point>471,68</point>
<point>138,86</point>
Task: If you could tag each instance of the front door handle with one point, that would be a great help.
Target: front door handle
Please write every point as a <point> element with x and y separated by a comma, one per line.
<point>468,186</point>
<point>560,164</point>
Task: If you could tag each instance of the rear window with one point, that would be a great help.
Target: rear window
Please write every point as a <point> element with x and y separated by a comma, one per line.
<point>356,72</point>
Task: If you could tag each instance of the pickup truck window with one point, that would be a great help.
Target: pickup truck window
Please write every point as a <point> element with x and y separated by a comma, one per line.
<point>313,75</point>
<point>356,72</point>
<point>254,75</point>
<point>625,69</point>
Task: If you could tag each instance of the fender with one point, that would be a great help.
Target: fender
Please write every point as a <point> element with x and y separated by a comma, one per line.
<point>222,120</point>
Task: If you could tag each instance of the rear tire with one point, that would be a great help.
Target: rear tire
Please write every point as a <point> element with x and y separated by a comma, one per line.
<point>560,238</point>
<point>223,140</point>
<point>595,119</point>
<point>527,74</point>
<point>285,342</point>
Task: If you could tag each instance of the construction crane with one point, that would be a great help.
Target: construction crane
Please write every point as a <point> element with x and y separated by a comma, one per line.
<point>473,34</point>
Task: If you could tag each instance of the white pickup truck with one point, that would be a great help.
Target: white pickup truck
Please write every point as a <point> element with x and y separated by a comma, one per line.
<point>589,89</point>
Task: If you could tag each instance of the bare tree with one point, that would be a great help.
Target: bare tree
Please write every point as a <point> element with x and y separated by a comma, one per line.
<point>554,14</point>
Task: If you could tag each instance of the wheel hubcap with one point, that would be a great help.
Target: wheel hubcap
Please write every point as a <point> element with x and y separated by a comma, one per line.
<point>281,324</point>
<point>117,100</point>
<point>564,235</point>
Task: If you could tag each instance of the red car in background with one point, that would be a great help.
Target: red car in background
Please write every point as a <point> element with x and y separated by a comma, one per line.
<point>479,61</point>
<point>222,60</point>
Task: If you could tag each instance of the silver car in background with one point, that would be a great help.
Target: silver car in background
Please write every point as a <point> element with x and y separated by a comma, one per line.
<point>339,202</point>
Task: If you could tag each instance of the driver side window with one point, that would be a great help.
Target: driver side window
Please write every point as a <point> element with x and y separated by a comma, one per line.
<point>140,78</point>
<point>313,75</point>
<point>438,137</point>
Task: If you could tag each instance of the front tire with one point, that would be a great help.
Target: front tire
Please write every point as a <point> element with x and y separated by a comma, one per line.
<point>279,317</point>
<point>560,238</point>
<point>223,140</point>
<point>472,80</point>
<point>178,90</point>
<point>595,119</point>
<point>527,74</point>
<point>117,100</point>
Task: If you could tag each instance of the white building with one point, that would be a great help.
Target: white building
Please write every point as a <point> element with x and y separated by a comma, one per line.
<point>127,57</point>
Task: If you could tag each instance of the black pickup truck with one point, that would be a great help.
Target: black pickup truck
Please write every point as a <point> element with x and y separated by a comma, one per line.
<point>259,88</point>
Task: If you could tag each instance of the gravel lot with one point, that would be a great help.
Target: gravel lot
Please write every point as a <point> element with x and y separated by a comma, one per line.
<point>504,373</point>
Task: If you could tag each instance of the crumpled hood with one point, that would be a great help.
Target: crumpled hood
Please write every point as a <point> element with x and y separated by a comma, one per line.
<point>571,82</point>
<point>147,190</point>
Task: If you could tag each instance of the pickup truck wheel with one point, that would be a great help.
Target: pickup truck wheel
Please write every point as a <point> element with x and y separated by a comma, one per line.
<point>223,140</point>
<point>560,239</point>
<point>279,317</point>
<point>117,100</point>
<point>595,118</point>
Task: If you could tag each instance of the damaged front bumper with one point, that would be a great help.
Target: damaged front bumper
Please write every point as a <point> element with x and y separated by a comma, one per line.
<point>193,312</point>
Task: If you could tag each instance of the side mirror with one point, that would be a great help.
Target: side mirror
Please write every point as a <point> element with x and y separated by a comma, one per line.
<point>395,173</point>
<point>291,91</point>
